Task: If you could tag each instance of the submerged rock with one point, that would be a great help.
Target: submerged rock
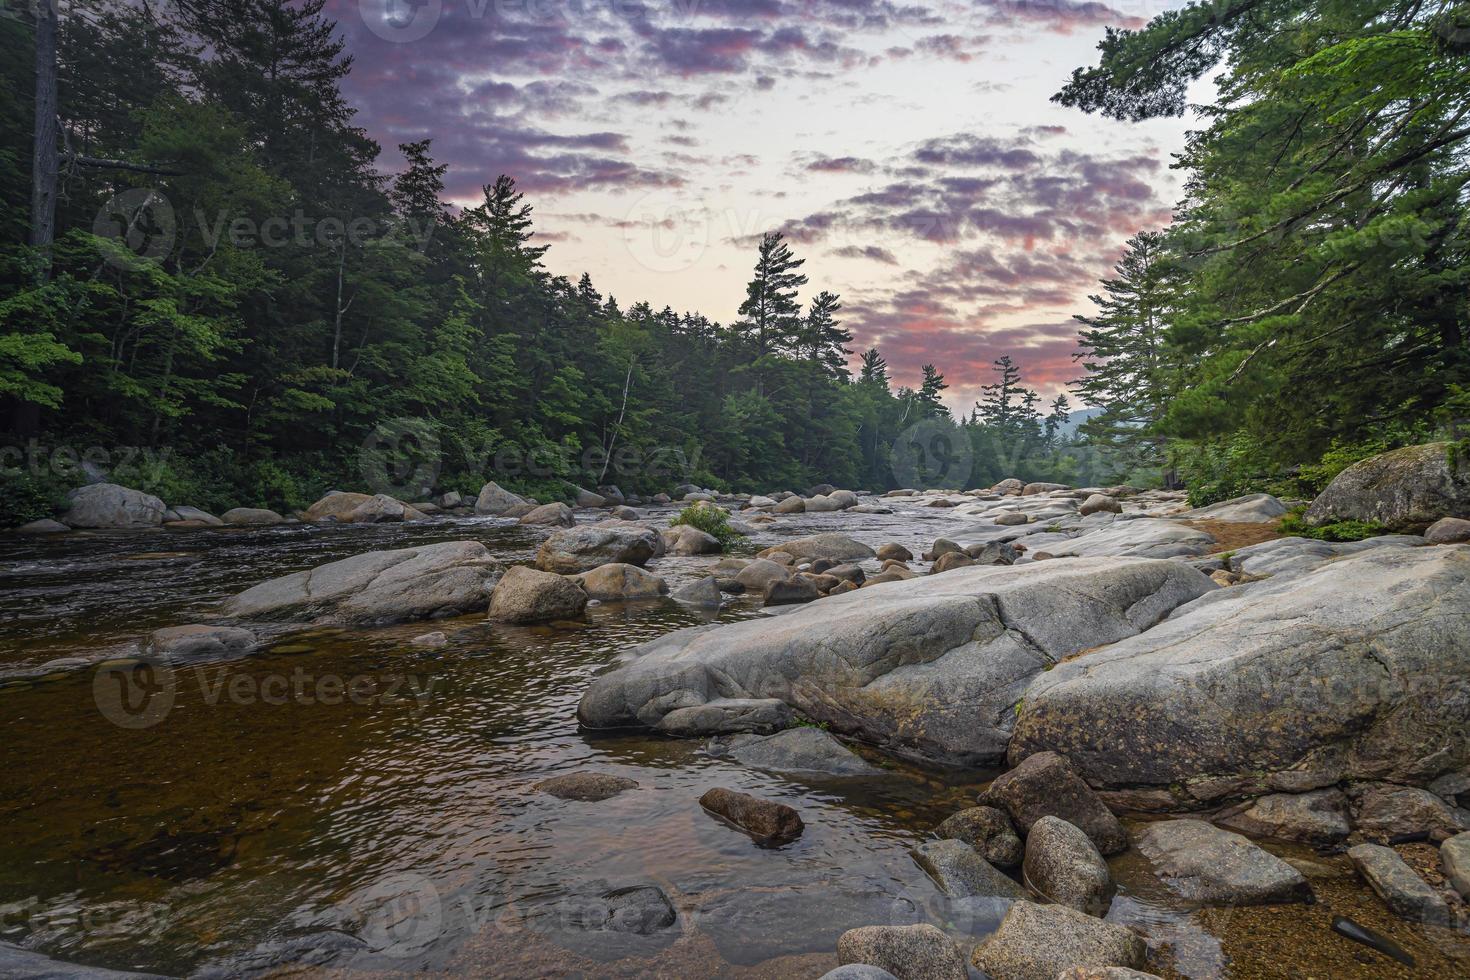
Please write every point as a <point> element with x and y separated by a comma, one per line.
<point>620,581</point>
<point>442,579</point>
<point>1209,866</point>
<point>586,787</point>
<point>200,642</point>
<point>760,716</point>
<point>916,952</point>
<point>960,871</point>
<point>932,667</point>
<point>1037,942</point>
<point>1406,894</point>
<point>764,820</point>
<point>797,750</point>
<point>1355,669</point>
<point>17,962</point>
<point>107,505</point>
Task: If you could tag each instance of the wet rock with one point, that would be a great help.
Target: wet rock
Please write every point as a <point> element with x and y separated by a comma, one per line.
<point>858,971</point>
<point>251,517</point>
<point>586,498</point>
<point>1385,812</point>
<point>608,921</point>
<point>932,667</point>
<point>186,513</point>
<point>894,552</point>
<point>791,505</point>
<point>1037,942</point>
<point>1405,490</point>
<point>1208,866</point>
<point>44,526</point>
<point>581,549</point>
<point>494,500</point>
<point>620,581</point>
<point>704,593</point>
<point>916,952</point>
<point>952,560</point>
<point>556,513</point>
<point>750,926</point>
<point>765,820</point>
<point>993,553</point>
<point>1012,518</point>
<point>443,579</point>
<point>525,595</point>
<point>200,642</point>
<point>797,750</point>
<point>1448,530</point>
<point>1454,856</point>
<point>585,787</point>
<point>941,547</point>
<point>1351,670</point>
<point>1046,784</point>
<point>755,715</point>
<point>1404,892</point>
<point>848,573</point>
<point>759,574</point>
<point>960,871</point>
<point>685,540</point>
<point>1100,504</point>
<point>1319,818</point>
<point>988,830</point>
<point>838,547</point>
<point>1063,865</point>
<point>792,591</point>
<point>107,505</point>
<point>622,512</point>
<point>22,963</point>
<point>430,641</point>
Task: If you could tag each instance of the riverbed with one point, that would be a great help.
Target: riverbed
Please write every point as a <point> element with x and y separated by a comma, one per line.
<point>345,802</point>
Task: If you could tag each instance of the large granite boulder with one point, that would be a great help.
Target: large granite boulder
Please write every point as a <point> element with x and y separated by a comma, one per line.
<point>555,513</point>
<point>106,505</point>
<point>361,508</point>
<point>495,500</point>
<point>583,548</point>
<point>442,579</point>
<point>1045,785</point>
<point>525,595</point>
<point>931,668</point>
<point>1355,670</point>
<point>838,547</point>
<point>1063,864</point>
<point>1205,865</point>
<point>617,580</point>
<point>916,952</point>
<point>1405,490</point>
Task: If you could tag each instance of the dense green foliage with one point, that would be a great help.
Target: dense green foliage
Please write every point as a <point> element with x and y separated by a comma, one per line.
<point>1309,302</point>
<point>271,317</point>
<point>1294,525</point>
<point>712,520</point>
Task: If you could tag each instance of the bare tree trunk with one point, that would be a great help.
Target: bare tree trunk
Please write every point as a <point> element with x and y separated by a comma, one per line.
<point>340,309</point>
<point>44,157</point>
<point>612,441</point>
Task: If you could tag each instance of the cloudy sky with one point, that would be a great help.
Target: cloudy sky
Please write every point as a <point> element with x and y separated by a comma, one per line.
<point>907,147</point>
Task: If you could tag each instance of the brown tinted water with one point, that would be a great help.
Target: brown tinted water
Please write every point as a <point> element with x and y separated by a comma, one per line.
<point>345,791</point>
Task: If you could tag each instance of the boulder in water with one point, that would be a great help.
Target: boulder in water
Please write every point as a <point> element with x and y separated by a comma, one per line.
<point>556,513</point>
<point>916,952</point>
<point>107,505</point>
<point>764,820</point>
<point>525,595</point>
<point>495,500</point>
<point>1208,866</point>
<point>1037,942</point>
<point>583,548</point>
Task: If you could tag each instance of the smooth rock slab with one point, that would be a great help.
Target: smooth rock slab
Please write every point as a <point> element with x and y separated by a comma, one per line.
<point>1064,866</point>
<point>1208,866</point>
<point>765,820</point>
<point>1037,942</point>
<point>931,667</point>
<point>796,750</point>
<point>989,831</point>
<point>1356,669</point>
<point>750,925</point>
<point>447,578</point>
<point>586,787</point>
<point>1405,893</point>
<point>916,952</point>
<point>1254,508</point>
<point>1046,785</point>
<point>960,871</point>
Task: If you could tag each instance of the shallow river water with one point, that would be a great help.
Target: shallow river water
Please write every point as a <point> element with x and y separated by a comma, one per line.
<point>343,792</point>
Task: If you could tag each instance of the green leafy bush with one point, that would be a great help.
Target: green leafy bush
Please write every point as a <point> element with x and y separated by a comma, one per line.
<point>26,497</point>
<point>710,519</point>
<point>1293,524</point>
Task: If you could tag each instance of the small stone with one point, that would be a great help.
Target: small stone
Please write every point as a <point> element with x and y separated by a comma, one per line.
<point>1448,530</point>
<point>1045,784</point>
<point>586,787</point>
<point>765,820</point>
<point>1065,867</point>
<point>916,952</point>
<point>430,641</point>
<point>894,552</point>
<point>960,871</point>
<point>704,593</point>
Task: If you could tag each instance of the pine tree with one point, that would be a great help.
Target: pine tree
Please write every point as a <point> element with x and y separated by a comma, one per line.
<point>823,341</point>
<point>1056,419</point>
<point>997,405</point>
<point>928,395</point>
<point>771,316</point>
<point>874,370</point>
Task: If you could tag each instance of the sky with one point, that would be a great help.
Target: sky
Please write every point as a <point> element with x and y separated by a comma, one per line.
<point>907,148</point>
